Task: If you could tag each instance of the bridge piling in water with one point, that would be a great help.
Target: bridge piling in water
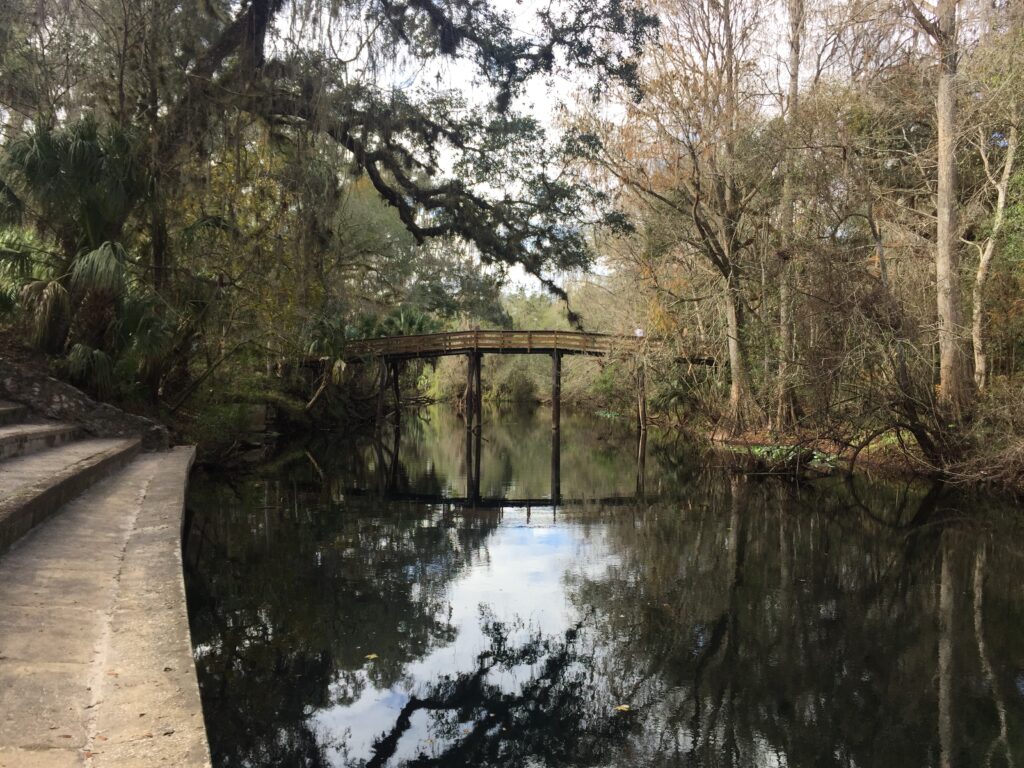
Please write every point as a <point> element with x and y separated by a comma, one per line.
<point>641,398</point>
<point>382,385</point>
<point>470,380</point>
<point>556,467</point>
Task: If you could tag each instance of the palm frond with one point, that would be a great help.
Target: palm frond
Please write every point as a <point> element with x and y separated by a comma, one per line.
<point>49,309</point>
<point>209,224</point>
<point>17,251</point>
<point>8,297</point>
<point>101,270</point>
<point>338,371</point>
<point>92,368</point>
<point>82,178</point>
<point>147,335</point>
<point>11,208</point>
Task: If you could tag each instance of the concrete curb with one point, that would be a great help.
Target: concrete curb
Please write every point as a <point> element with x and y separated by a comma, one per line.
<point>26,509</point>
<point>36,437</point>
<point>150,711</point>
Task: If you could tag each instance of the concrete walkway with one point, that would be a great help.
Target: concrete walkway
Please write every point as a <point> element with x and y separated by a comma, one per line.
<point>96,662</point>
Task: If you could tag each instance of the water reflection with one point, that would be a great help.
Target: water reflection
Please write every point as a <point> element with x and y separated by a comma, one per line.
<point>724,623</point>
<point>398,464</point>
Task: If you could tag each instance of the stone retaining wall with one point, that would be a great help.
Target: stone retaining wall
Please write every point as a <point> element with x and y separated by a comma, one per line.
<point>54,399</point>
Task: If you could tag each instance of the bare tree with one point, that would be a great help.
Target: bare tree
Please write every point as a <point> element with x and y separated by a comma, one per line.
<point>940,24</point>
<point>995,75</point>
<point>683,151</point>
<point>785,414</point>
<point>1001,184</point>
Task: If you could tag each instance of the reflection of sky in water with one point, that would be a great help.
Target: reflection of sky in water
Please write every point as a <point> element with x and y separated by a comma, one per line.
<point>521,580</point>
<point>745,624</point>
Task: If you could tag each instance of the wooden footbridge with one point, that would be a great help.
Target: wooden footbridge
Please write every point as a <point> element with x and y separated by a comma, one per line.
<point>394,350</point>
<point>477,342</point>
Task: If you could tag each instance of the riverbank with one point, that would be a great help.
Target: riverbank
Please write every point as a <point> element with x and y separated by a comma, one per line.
<point>891,455</point>
<point>245,429</point>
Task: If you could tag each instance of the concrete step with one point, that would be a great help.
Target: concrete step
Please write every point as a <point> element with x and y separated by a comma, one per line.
<point>34,487</point>
<point>23,439</point>
<point>12,413</point>
<point>96,661</point>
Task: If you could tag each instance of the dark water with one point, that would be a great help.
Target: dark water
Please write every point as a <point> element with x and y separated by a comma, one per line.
<point>344,614</point>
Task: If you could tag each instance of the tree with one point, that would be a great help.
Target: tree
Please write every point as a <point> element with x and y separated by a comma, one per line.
<point>691,154</point>
<point>954,368</point>
<point>785,413</point>
<point>993,70</point>
<point>182,77</point>
<point>253,129</point>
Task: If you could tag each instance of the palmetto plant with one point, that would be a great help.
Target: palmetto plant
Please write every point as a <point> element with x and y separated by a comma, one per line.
<point>48,312</point>
<point>73,190</point>
<point>77,184</point>
<point>91,367</point>
<point>15,267</point>
<point>401,321</point>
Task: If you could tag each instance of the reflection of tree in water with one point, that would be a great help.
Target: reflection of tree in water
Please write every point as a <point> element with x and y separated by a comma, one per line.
<point>552,718</point>
<point>753,627</point>
<point>515,453</point>
<point>745,624</point>
<point>288,596</point>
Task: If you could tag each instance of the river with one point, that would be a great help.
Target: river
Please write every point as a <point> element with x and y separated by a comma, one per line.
<point>418,600</point>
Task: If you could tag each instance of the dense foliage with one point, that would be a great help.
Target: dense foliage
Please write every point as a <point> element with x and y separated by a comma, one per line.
<point>256,181</point>
<point>832,212</point>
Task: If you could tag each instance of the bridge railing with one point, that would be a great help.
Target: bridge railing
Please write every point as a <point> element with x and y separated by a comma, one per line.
<point>454,342</point>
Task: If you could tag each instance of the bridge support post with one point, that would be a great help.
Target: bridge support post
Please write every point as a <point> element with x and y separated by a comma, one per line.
<point>641,398</point>
<point>472,467</point>
<point>396,444</point>
<point>478,390</point>
<point>641,464</point>
<point>382,385</point>
<point>470,381</point>
<point>474,390</point>
<point>556,390</point>
<point>477,449</point>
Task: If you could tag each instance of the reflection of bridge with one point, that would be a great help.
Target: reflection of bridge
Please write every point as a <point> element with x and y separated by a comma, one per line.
<point>392,351</point>
<point>495,502</point>
<point>388,486</point>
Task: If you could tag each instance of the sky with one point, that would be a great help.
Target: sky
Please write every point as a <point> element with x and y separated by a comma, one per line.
<point>520,577</point>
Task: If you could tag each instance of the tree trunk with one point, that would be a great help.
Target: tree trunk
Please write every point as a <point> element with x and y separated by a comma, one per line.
<point>985,262</point>
<point>158,243</point>
<point>785,415</point>
<point>954,375</point>
<point>740,399</point>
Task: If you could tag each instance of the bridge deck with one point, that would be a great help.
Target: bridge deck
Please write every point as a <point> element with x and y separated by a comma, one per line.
<point>507,342</point>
